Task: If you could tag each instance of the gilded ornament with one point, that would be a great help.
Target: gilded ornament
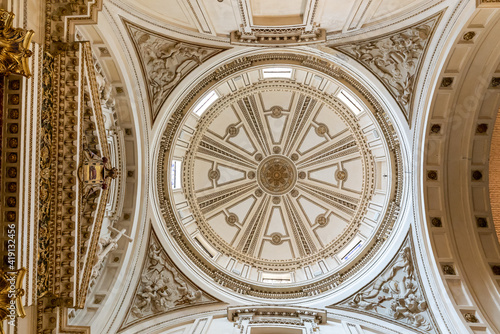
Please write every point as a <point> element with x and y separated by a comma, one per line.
<point>12,172</point>
<point>14,46</point>
<point>11,216</point>
<point>13,128</point>
<point>13,98</point>
<point>11,201</point>
<point>14,85</point>
<point>13,142</point>
<point>14,113</point>
<point>11,292</point>
<point>12,157</point>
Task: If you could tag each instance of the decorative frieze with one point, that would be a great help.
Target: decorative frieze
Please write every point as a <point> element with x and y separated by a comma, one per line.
<point>250,317</point>
<point>277,36</point>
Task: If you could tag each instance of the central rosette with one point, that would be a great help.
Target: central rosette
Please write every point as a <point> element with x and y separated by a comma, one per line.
<point>276,175</point>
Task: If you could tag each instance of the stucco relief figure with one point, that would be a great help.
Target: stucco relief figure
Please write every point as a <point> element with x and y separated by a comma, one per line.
<point>166,61</point>
<point>104,87</point>
<point>395,59</point>
<point>106,245</point>
<point>161,287</point>
<point>396,294</point>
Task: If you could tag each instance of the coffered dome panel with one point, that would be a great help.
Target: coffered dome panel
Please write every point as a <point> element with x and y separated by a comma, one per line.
<point>280,179</point>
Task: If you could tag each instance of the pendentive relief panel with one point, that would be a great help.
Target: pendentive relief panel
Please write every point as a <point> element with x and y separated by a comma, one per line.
<point>396,59</point>
<point>396,295</point>
<point>162,288</point>
<point>165,61</point>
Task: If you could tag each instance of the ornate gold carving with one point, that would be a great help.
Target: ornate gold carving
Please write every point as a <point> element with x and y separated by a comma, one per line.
<point>165,61</point>
<point>95,173</point>
<point>14,46</point>
<point>11,292</point>
<point>396,59</point>
<point>276,175</point>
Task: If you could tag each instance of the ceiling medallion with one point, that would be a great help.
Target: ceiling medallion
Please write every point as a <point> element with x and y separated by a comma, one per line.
<point>281,203</point>
<point>277,175</point>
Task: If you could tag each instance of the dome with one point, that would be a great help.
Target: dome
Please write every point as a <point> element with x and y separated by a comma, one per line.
<point>281,179</point>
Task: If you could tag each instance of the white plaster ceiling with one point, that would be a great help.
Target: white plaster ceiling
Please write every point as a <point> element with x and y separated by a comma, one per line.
<point>280,180</point>
<point>220,18</point>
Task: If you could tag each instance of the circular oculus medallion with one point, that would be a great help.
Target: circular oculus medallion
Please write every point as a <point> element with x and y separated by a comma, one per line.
<point>293,196</point>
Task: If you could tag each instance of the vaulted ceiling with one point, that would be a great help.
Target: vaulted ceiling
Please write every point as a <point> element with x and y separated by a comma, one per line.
<point>278,152</point>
